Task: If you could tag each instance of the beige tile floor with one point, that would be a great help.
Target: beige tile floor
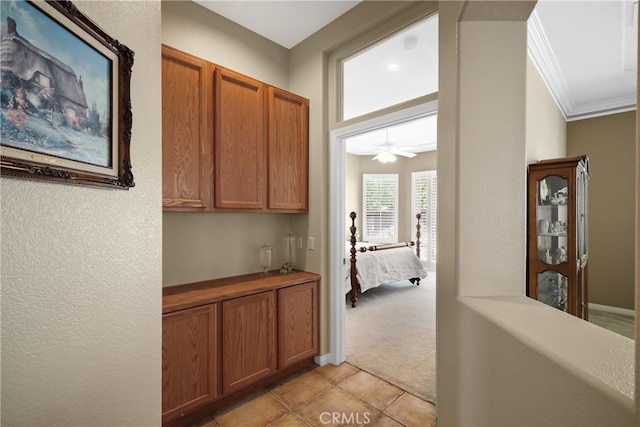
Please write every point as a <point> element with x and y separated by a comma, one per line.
<point>327,396</point>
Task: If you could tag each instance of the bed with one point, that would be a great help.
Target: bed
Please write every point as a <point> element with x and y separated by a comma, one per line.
<point>373,265</point>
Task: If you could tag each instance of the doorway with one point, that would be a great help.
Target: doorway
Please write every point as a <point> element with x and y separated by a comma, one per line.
<point>338,224</point>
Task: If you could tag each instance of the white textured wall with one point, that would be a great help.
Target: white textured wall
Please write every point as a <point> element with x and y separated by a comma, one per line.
<point>81,271</point>
<point>546,130</point>
<point>492,205</point>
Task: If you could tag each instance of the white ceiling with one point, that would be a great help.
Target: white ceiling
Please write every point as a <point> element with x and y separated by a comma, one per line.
<point>585,50</point>
<point>284,22</point>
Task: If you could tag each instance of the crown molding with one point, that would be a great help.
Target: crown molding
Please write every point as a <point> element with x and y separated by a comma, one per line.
<point>544,59</point>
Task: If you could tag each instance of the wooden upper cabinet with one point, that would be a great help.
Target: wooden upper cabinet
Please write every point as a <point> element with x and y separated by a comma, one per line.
<point>229,142</point>
<point>288,160</point>
<point>240,141</point>
<point>186,131</point>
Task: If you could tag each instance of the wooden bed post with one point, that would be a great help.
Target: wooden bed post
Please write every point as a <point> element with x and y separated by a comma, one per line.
<point>418,226</point>
<point>352,272</point>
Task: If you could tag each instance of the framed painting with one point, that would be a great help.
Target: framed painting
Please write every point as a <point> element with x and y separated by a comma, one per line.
<point>65,107</point>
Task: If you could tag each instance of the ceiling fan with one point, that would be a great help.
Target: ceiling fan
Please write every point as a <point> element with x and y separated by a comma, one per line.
<point>388,152</point>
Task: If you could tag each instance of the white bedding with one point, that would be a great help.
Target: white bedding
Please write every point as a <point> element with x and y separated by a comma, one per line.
<point>379,267</point>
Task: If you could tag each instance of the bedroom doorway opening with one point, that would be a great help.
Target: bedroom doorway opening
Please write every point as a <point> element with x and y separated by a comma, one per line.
<point>395,316</point>
<point>384,95</point>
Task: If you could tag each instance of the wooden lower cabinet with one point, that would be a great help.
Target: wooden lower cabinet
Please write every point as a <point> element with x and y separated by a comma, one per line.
<point>297,323</point>
<point>226,337</point>
<point>189,361</point>
<point>248,340</point>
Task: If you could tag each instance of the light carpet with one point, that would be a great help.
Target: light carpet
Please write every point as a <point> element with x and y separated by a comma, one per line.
<point>392,334</point>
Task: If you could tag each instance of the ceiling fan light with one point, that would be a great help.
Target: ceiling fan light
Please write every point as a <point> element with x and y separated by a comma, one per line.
<point>385,157</point>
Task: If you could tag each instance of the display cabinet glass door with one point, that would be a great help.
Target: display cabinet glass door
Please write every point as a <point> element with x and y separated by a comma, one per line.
<point>551,220</point>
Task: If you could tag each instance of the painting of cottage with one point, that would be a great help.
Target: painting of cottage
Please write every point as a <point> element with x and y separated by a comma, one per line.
<point>48,106</point>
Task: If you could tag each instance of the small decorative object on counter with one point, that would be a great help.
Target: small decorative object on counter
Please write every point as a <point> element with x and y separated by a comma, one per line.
<point>265,258</point>
<point>289,251</point>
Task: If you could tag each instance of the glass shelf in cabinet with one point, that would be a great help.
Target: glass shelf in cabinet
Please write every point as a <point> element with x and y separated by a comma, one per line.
<point>551,205</point>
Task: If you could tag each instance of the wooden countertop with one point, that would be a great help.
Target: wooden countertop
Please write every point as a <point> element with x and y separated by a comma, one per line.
<point>180,297</point>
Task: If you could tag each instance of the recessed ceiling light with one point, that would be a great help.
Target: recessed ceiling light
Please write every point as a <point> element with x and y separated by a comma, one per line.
<point>410,41</point>
<point>393,67</point>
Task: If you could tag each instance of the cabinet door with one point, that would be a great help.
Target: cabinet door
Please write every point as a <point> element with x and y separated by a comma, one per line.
<point>189,360</point>
<point>297,323</point>
<point>187,152</point>
<point>288,151</point>
<point>240,141</point>
<point>248,340</point>
<point>552,247</point>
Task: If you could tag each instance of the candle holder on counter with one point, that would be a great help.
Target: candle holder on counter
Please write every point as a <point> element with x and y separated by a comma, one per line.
<point>265,258</point>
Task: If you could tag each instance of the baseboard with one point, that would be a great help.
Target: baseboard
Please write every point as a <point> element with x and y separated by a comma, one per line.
<point>323,359</point>
<point>610,309</point>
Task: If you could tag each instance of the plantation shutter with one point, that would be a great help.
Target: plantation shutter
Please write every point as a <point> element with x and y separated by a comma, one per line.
<point>380,208</point>
<point>424,190</point>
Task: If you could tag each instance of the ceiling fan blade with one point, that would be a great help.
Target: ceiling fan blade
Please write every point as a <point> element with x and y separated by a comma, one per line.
<point>403,153</point>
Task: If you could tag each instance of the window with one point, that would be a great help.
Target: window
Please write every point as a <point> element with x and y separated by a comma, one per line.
<point>397,69</point>
<point>380,207</point>
<point>424,195</point>
<point>43,80</point>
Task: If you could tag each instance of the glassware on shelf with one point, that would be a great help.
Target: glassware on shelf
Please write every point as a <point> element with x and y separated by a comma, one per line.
<point>552,289</point>
<point>543,226</point>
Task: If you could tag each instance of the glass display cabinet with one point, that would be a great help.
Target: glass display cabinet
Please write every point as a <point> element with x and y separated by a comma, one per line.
<point>558,244</point>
